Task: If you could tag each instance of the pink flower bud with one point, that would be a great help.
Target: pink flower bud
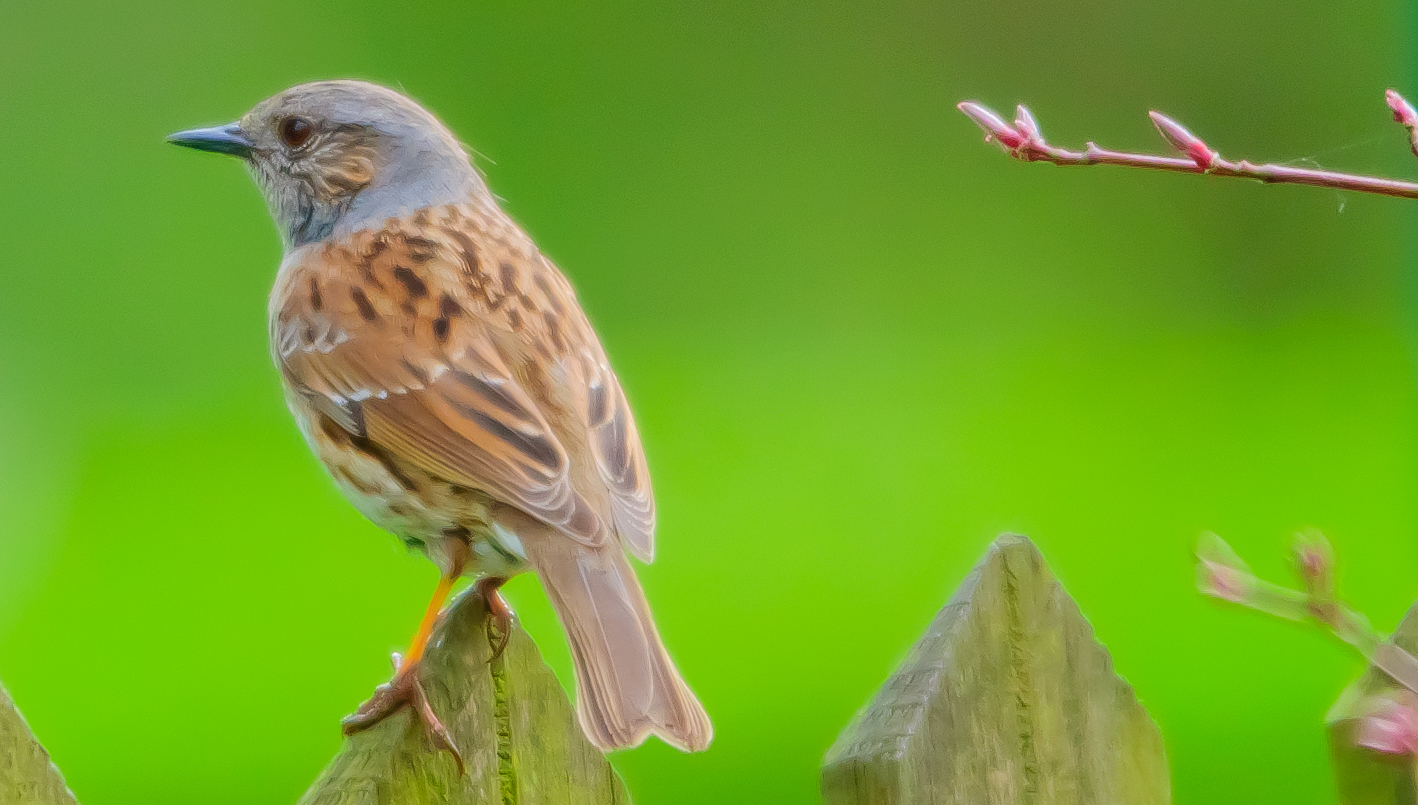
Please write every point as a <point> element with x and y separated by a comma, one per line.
<point>1391,726</point>
<point>1221,573</point>
<point>993,124</point>
<point>1312,564</point>
<point>1182,140</point>
<point>1314,557</point>
<point>1224,582</point>
<point>1314,560</point>
<point>1403,111</point>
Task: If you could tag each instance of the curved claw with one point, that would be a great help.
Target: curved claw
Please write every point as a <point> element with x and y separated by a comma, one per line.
<point>442,739</point>
<point>489,587</point>
<point>404,690</point>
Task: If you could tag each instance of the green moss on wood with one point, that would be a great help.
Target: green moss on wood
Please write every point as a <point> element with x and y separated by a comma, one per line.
<point>510,717</point>
<point>502,719</point>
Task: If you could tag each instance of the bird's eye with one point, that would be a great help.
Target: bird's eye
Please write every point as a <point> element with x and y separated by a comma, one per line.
<point>295,131</point>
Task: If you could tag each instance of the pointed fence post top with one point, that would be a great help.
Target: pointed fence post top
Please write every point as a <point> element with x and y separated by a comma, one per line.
<point>1007,697</point>
<point>510,717</point>
<point>26,773</point>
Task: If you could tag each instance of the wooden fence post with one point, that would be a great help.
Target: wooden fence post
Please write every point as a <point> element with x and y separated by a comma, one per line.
<point>1007,698</point>
<point>26,773</point>
<point>1363,776</point>
<point>511,719</point>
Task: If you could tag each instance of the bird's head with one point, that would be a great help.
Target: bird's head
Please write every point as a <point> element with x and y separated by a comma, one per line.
<point>332,157</point>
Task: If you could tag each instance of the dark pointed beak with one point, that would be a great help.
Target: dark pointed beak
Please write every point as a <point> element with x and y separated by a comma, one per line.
<point>228,139</point>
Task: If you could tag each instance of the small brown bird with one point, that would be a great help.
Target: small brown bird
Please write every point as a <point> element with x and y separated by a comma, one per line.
<point>441,369</point>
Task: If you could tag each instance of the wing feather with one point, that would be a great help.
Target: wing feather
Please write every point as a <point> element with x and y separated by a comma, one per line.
<point>407,339</point>
<point>620,459</point>
<point>374,363</point>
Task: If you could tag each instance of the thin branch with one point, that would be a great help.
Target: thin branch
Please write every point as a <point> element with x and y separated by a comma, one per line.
<point>1387,722</point>
<point>1024,141</point>
<point>1222,574</point>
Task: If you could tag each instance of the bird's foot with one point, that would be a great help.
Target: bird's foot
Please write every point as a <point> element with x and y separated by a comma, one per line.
<point>404,690</point>
<point>490,588</point>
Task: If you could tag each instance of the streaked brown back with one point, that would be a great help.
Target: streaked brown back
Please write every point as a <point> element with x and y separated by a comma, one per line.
<point>448,340</point>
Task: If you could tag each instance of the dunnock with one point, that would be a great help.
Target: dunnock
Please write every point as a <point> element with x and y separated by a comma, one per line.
<point>441,369</point>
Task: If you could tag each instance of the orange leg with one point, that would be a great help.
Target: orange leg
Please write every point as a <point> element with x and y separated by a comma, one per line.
<point>430,619</point>
<point>405,689</point>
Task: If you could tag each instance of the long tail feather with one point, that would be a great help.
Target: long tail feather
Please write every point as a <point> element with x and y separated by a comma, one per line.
<point>627,687</point>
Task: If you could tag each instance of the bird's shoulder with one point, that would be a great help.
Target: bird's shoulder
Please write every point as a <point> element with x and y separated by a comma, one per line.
<point>420,279</point>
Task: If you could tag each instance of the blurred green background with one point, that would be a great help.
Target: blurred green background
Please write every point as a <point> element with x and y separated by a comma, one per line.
<point>859,343</point>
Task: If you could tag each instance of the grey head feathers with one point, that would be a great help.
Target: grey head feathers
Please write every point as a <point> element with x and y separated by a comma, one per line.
<point>335,157</point>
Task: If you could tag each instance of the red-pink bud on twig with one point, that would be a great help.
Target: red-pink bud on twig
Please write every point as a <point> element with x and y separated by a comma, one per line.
<point>1314,559</point>
<point>1387,723</point>
<point>1221,573</point>
<point>1183,140</point>
<point>1023,141</point>
<point>1390,725</point>
<point>1226,583</point>
<point>1404,113</point>
<point>993,124</point>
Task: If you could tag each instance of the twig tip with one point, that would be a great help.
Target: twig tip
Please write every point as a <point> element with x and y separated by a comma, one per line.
<point>1403,111</point>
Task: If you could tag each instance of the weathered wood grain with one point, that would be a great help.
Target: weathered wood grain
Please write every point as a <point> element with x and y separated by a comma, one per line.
<point>1363,776</point>
<point>511,719</point>
<point>26,773</point>
<point>1007,698</point>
